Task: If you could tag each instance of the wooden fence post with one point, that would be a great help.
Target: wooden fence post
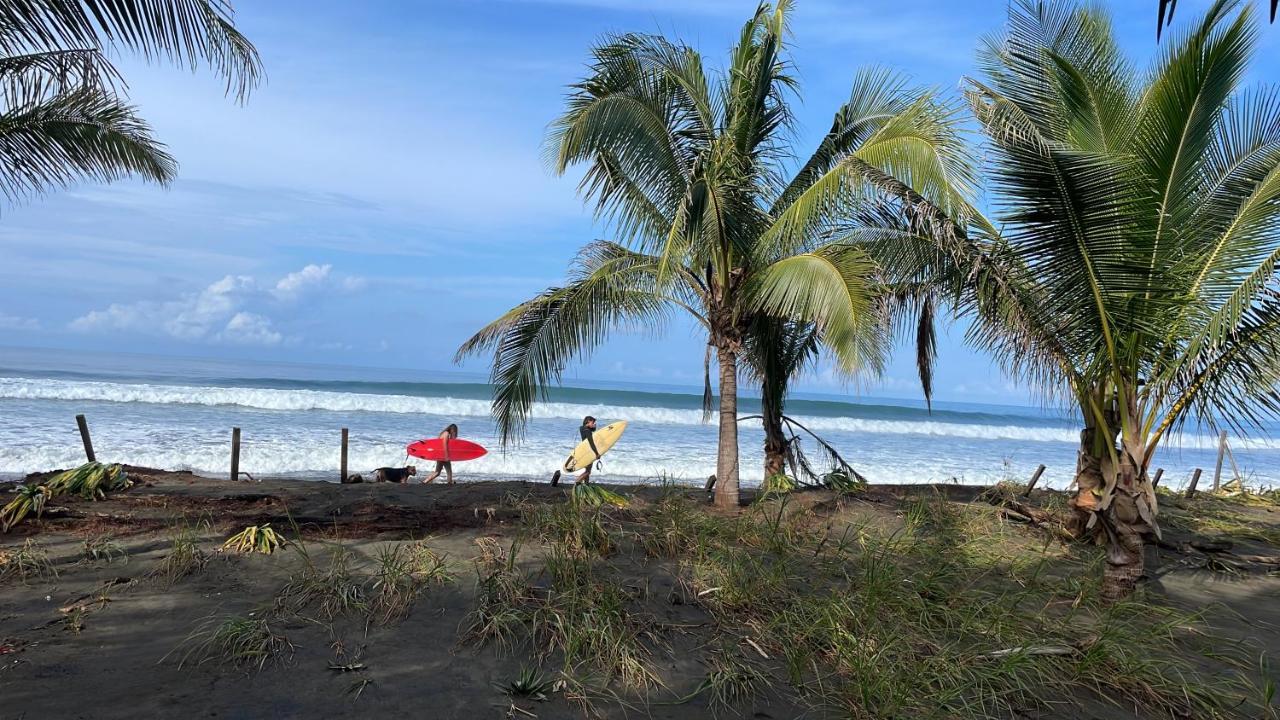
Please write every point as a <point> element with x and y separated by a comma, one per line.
<point>344,456</point>
<point>235,454</point>
<point>84,435</point>
<point>1034,479</point>
<point>1191,489</point>
<point>1222,450</point>
<point>1156,480</point>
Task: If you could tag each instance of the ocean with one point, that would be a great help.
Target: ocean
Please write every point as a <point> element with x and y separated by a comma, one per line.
<point>177,413</point>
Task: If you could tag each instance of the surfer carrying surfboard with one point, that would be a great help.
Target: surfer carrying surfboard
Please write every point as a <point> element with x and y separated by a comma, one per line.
<point>449,433</point>
<point>587,432</point>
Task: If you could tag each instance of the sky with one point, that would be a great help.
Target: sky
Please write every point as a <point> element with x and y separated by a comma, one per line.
<point>384,194</point>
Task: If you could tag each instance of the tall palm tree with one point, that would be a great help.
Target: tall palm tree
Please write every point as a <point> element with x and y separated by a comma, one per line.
<point>687,168</point>
<point>63,111</point>
<point>1134,268</point>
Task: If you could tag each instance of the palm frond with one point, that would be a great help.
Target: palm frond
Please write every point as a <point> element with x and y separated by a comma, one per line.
<point>917,148</point>
<point>187,32</point>
<point>833,288</point>
<point>533,342</point>
<point>51,142</point>
<point>23,77</point>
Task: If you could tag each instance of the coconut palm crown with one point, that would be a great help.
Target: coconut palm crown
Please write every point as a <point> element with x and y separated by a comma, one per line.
<point>1133,268</point>
<point>688,169</point>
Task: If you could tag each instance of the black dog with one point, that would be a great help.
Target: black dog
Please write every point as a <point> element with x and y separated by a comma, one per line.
<point>396,475</point>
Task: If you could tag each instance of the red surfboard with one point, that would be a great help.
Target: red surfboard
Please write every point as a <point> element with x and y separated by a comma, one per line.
<point>433,449</point>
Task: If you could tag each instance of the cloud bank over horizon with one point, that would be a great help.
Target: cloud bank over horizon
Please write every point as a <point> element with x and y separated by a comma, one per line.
<point>236,309</point>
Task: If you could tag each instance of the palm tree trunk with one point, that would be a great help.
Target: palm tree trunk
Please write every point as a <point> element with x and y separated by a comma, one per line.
<point>1129,516</point>
<point>1088,480</point>
<point>1127,522</point>
<point>727,456</point>
<point>775,439</point>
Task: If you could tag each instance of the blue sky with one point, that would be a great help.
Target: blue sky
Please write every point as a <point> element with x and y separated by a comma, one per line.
<point>383,195</point>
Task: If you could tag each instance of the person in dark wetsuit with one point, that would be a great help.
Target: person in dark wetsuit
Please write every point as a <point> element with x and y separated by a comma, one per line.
<point>449,433</point>
<point>585,431</point>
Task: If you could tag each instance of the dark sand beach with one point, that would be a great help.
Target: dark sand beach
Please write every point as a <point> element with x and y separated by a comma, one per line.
<point>107,637</point>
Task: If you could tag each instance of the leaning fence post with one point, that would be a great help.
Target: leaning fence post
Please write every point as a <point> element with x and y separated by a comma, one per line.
<point>1222,450</point>
<point>235,454</point>
<point>1156,480</point>
<point>84,435</point>
<point>1031,485</point>
<point>1191,489</point>
<point>343,478</point>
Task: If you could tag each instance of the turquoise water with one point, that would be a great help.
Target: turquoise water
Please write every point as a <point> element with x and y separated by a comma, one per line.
<point>176,413</point>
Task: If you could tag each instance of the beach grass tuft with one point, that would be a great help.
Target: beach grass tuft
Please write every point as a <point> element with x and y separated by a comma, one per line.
<point>26,562</point>
<point>331,591</point>
<point>502,591</point>
<point>104,548</point>
<point>586,616</point>
<point>247,640</point>
<point>185,556</point>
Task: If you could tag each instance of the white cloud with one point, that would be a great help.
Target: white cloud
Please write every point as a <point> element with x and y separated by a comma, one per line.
<point>293,285</point>
<point>233,310</point>
<point>314,278</point>
<point>14,322</point>
<point>245,328</point>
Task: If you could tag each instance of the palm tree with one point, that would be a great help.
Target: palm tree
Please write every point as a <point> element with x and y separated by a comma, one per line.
<point>63,115</point>
<point>687,169</point>
<point>1134,270</point>
<point>780,351</point>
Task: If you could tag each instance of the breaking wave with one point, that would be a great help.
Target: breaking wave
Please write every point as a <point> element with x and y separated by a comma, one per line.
<point>302,400</point>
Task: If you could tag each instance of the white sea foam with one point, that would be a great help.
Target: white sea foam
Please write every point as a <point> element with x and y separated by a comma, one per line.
<point>299,400</point>
<point>271,458</point>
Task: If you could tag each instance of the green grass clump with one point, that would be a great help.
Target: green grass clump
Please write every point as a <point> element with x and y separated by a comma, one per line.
<point>675,526</point>
<point>428,566</point>
<point>502,592</point>
<point>401,574</point>
<point>337,589</point>
<point>586,529</point>
<point>29,561</point>
<point>103,548</point>
<point>394,587</point>
<point>731,682</point>
<point>1224,516</point>
<point>942,610</point>
<point>586,616</point>
<point>842,482</point>
<point>185,556</point>
<point>91,481</point>
<point>233,640</point>
<point>583,614</point>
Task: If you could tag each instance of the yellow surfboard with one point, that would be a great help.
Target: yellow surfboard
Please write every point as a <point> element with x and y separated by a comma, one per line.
<point>604,438</point>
